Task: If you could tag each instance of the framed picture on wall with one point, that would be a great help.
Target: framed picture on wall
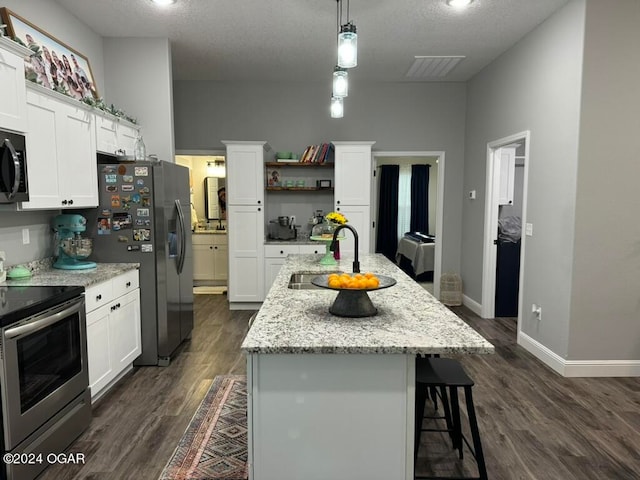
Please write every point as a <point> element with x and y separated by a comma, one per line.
<point>53,64</point>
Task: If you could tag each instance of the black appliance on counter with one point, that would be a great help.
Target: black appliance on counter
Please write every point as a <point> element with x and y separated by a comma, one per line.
<point>44,379</point>
<point>13,168</point>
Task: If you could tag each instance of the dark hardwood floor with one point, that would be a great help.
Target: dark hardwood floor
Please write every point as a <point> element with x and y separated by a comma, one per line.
<point>534,423</point>
<point>138,424</point>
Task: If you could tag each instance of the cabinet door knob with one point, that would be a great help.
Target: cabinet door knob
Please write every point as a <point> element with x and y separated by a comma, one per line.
<point>259,202</point>
<point>128,284</point>
<point>70,202</point>
<point>316,251</point>
<point>210,247</point>
<point>338,202</point>
<point>64,202</point>
<point>215,248</point>
<point>281,252</point>
<point>259,209</point>
<point>98,297</point>
<point>338,209</point>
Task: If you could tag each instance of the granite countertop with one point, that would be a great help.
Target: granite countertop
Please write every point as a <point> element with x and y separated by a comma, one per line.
<point>209,232</point>
<point>409,320</point>
<point>293,241</point>
<point>47,276</point>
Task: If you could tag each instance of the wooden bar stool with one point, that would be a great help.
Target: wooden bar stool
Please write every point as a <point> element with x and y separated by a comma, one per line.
<point>447,374</point>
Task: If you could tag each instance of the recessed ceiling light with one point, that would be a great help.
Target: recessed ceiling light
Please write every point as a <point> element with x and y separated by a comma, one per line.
<point>163,2</point>
<point>459,3</point>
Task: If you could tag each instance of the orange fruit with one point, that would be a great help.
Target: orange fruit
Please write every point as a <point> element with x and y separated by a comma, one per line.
<point>334,282</point>
<point>373,282</point>
<point>368,275</point>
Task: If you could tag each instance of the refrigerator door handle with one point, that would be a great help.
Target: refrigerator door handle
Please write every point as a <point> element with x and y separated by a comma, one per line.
<point>183,237</point>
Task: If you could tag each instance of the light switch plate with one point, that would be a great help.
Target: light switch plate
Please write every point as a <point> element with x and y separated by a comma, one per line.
<point>528,229</point>
<point>472,194</point>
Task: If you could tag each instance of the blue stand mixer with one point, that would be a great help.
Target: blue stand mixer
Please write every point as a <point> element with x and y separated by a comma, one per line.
<point>72,248</point>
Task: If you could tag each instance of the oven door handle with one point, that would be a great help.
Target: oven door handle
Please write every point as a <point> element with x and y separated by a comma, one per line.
<point>42,321</point>
<point>16,168</point>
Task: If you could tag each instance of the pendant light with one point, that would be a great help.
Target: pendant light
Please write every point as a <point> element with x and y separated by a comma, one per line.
<point>340,82</point>
<point>337,107</point>
<point>347,40</point>
<point>348,46</point>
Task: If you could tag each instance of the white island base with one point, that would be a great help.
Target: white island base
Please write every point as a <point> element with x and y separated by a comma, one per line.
<point>330,416</point>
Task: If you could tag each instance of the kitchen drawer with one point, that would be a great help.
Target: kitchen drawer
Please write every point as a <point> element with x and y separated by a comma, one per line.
<point>202,238</point>
<point>125,283</point>
<point>320,248</point>
<point>279,251</point>
<point>219,239</point>
<point>98,295</point>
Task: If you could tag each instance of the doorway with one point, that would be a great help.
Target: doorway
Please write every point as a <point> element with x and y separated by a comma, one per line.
<point>438,159</point>
<point>505,223</point>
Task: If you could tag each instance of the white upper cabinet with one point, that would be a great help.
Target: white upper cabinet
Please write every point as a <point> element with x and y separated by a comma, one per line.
<point>61,146</point>
<point>507,164</point>
<point>245,172</point>
<point>353,173</point>
<point>13,106</point>
<point>113,136</point>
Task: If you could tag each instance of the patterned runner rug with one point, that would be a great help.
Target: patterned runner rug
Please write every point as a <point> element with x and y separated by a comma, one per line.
<point>214,446</point>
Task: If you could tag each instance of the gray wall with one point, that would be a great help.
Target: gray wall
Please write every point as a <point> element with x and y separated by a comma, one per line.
<point>397,116</point>
<point>605,298</point>
<point>139,78</point>
<point>534,86</point>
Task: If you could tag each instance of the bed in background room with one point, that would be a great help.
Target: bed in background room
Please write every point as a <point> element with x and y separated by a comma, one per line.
<point>418,250</point>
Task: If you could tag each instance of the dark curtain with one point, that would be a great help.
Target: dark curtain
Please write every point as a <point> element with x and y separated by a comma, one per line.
<point>420,198</point>
<point>387,231</point>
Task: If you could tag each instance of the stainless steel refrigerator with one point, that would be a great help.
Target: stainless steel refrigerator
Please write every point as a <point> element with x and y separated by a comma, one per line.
<point>144,217</point>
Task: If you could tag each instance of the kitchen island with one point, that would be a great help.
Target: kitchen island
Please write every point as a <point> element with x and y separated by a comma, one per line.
<point>333,397</point>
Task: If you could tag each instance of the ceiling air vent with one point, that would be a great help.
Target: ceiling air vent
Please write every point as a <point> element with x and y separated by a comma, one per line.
<point>433,67</point>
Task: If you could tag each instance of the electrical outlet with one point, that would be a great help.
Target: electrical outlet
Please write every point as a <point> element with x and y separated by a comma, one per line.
<point>472,194</point>
<point>25,236</point>
<point>537,311</point>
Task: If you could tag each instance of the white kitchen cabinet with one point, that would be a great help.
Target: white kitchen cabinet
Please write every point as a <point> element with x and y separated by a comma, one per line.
<point>276,254</point>
<point>245,170</point>
<point>61,153</point>
<point>13,105</point>
<point>113,330</point>
<point>507,166</point>
<point>210,257</point>
<point>245,221</point>
<point>114,136</point>
<point>353,180</point>
<point>246,253</point>
<point>359,217</point>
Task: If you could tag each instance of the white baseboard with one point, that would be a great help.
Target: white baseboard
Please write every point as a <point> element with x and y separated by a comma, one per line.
<point>579,368</point>
<point>472,305</point>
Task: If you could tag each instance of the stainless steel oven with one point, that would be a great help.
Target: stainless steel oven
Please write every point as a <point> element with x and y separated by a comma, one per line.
<point>43,378</point>
<point>13,168</point>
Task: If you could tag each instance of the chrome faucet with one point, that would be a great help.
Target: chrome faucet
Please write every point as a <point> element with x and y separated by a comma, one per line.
<point>332,247</point>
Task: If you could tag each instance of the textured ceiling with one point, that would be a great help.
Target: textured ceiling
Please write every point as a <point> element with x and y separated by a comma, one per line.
<point>274,40</point>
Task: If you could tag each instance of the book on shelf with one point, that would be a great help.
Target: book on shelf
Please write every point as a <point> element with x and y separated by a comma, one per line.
<point>321,153</point>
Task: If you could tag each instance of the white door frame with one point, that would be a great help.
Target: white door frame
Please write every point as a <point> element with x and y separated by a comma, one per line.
<point>437,267</point>
<point>491,224</point>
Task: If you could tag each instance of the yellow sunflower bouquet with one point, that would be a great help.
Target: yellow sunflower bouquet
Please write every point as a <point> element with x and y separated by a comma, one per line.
<point>336,217</point>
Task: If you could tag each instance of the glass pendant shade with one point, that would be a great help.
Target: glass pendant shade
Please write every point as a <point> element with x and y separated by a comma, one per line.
<point>347,46</point>
<point>337,107</point>
<point>340,82</point>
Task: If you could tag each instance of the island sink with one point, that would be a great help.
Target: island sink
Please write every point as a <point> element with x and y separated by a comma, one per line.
<point>302,280</point>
